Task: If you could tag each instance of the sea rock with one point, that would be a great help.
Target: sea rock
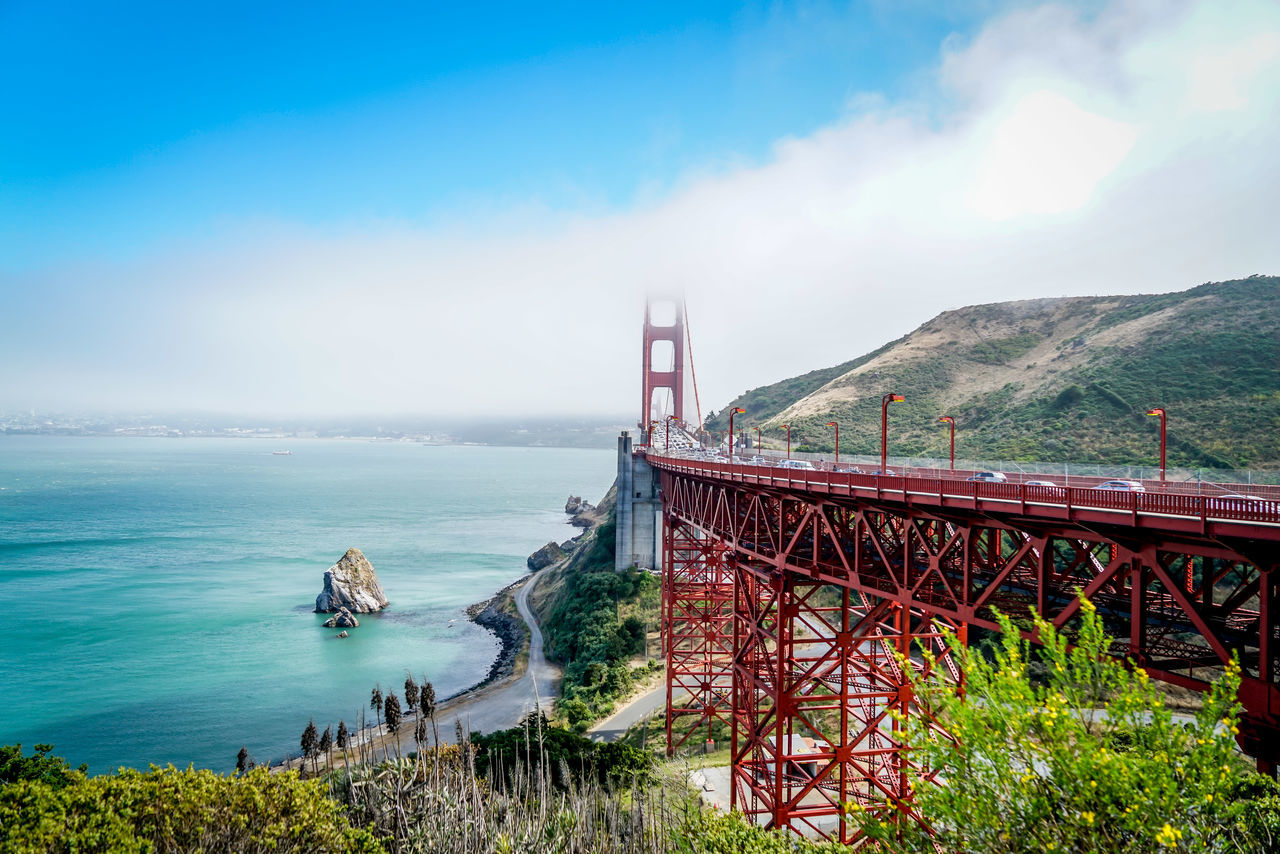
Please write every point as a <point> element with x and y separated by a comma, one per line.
<point>352,584</point>
<point>545,556</point>
<point>344,619</point>
<point>571,506</point>
<point>343,634</point>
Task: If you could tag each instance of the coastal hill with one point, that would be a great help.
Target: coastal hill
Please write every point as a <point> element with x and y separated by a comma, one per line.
<point>1066,379</point>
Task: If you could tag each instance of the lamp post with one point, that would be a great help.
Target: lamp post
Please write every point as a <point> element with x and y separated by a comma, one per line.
<point>836,424</point>
<point>667,437</point>
<point>733,412</point>
<point>949,420</point>
<point>884,428</point>
<point>788,429</point>
<point>758,442</point>
<point>1159,411</point>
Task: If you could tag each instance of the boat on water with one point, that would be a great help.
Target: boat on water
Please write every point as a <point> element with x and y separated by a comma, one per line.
<point>283,453</point>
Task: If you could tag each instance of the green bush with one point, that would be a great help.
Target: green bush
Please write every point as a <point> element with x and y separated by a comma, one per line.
<point>39,766</point>
<point>1086,758</point>
<point>564,756</point>
<point>168,810</point>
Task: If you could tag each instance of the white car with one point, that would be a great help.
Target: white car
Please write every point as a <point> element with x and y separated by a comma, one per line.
<point>796,464</point>
<point>1121,486</point>
<point>1040,483</point>
<point>990,477</point>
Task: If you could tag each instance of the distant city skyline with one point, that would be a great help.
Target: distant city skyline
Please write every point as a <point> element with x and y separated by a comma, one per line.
<point>300,209</point>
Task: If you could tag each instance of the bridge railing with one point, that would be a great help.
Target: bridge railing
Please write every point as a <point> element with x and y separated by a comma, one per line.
<point>1191,481</point>
<point>1174,500</point>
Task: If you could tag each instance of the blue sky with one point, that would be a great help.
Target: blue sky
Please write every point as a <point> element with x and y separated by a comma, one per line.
<point>283,208</point>
<point>131,125</point>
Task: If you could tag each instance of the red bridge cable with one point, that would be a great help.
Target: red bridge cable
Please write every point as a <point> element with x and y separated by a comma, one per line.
<point>693,373</point>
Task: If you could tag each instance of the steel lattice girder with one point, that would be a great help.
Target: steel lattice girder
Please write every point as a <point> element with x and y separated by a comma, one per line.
<point>818,685</point>
<point>697,624</point>
<point>1181,605</point>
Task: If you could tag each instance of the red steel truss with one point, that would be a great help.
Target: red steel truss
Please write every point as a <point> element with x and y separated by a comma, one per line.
<point>816,685</point>
<point>697,607</point>
<point>828,585</point>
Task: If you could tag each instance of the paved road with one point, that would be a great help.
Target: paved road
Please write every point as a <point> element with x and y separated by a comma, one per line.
<point>501,706</point>
<point>614,727</point>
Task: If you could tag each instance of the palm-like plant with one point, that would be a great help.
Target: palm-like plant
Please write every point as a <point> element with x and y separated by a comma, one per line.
<point>375,703</point>
<point>410,693</point>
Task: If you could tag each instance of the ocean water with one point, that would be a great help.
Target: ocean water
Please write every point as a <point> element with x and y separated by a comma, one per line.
<point>156,595</point>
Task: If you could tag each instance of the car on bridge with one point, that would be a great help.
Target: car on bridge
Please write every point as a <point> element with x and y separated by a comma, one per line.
<point>1237,501</point>
<point>989,477</point>
<point>1041,483</point>
<point>796,464</point>
<point>1121,486</point>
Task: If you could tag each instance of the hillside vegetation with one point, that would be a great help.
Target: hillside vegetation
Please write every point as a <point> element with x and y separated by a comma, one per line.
<point>1058,379</point>
<point>595,620</point>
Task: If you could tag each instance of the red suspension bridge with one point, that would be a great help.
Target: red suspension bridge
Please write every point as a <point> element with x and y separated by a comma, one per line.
<point>791,596</point>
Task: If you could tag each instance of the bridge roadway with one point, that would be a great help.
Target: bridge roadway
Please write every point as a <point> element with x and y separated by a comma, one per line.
<point>1169,507</point>
<point>1184,582</point>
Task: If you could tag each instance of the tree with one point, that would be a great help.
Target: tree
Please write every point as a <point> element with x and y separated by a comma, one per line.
<point>344,738</point>
<point>310,738</point>
<point>1090,760</point>
<point>410,693</point>
<point>326,745</point>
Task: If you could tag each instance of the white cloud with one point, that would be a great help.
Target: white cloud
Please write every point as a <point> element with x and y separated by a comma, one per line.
<point>1055,153</point>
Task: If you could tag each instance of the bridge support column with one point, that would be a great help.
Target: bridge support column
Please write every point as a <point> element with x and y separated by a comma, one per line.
<point>697,609</point>
<point>636,535</point>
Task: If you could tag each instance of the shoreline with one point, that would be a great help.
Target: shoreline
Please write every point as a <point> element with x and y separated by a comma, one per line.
<point>513,639</point>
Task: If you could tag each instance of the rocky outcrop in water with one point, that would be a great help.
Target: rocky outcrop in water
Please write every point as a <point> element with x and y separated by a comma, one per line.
<point>344,619</point>
<point>545,556</point>
<point>351,584</point>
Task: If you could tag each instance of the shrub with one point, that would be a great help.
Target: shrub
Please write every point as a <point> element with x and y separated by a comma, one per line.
<point>1089,759</point>
<point>168,810</point>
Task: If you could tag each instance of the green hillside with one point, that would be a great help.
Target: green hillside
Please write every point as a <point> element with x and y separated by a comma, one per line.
<point>1059,379</point>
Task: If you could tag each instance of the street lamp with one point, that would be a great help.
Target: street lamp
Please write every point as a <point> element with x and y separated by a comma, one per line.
<point>667,438</point>
<point>949,420</point>
<point>884,427</point>
<point>1161,413</point>
<point>787,427</point>
<point>836,424</point>
<point>758,442</point>
<point>732,412</point>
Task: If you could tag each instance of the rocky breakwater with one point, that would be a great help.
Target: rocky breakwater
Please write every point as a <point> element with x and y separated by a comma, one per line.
<point>350,587</point>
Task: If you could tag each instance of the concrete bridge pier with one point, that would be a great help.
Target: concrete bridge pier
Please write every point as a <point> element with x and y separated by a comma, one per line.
<point>639,512</point>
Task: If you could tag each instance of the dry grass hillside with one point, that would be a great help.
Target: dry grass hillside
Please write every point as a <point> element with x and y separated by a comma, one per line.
<point>1061,379</point>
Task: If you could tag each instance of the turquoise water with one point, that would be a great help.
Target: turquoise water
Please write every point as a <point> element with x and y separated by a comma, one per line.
<point>156,594</point>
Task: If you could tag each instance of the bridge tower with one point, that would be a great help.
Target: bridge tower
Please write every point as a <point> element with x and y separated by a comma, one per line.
<point>637,542</point>
<point>658,378</point>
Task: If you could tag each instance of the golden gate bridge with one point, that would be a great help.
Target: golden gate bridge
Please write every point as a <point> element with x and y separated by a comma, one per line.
<point>793,596</point>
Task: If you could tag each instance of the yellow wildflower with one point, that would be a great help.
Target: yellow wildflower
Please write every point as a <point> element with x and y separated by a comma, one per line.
<point>1168,836</point>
